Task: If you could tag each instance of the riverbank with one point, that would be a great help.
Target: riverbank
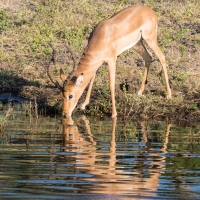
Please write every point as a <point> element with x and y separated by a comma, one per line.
<point>27,28</point>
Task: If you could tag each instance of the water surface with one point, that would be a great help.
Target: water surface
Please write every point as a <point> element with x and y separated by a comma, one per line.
<point>98,159</point>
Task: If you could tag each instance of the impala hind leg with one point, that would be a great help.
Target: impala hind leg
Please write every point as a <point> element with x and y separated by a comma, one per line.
<point>112,70</point>
<point>141,49</point>
<point>152,42</point>
<point>87,99</point>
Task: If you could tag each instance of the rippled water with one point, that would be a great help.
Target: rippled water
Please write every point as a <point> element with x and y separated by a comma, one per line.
<point>98,159</point>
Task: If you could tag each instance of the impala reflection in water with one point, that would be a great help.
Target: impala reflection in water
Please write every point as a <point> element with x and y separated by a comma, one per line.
<point>105,171</point>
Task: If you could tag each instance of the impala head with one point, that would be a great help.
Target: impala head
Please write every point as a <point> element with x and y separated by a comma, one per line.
<point>70,93</point>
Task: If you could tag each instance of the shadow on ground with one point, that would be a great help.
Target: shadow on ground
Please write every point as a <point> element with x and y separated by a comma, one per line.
<point>15,89</point>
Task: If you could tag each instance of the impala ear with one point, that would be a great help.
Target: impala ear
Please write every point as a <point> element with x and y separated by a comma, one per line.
<point>79,80</point>
<point>62,75</point>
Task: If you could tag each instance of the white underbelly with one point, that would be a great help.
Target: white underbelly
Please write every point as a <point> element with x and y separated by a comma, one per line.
<point>128,42</point>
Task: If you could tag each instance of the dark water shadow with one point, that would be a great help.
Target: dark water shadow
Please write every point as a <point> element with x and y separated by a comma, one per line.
<point>8,97</point>
<point>15,89</point>
<point>11,85</point>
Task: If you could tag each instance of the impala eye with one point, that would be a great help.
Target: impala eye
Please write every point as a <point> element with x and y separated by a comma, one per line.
<point>70,96</point>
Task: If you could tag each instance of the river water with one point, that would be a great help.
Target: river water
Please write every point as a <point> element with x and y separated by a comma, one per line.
<point>43,158</point>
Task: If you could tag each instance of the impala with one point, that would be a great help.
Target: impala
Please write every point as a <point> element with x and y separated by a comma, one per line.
<point>128,28</point>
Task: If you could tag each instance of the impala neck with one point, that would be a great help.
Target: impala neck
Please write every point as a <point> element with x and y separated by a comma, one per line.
<point>87,66</point>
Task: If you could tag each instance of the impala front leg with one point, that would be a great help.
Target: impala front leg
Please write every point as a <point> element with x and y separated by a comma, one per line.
<point>87,99</point>
<point>112,69</point>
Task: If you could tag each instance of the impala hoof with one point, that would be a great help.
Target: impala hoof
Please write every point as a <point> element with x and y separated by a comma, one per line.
<point>140,93</point>
<point>169,97</point>
<point>82,107</point>
<point>68,121</point>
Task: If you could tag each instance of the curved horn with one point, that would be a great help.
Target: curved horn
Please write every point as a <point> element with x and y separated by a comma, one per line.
<point>72,54</point>
<point>53,60</point>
